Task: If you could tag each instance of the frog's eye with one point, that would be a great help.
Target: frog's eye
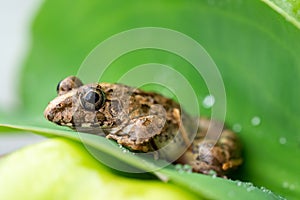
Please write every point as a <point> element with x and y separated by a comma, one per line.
<point>93,99</point>
<point>68,84</point>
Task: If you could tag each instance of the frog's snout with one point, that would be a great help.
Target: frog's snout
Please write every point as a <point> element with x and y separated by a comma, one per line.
<point>55,109</point>
<point>49,112</point>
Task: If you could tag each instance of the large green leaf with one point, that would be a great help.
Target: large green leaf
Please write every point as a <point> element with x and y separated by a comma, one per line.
<point>207,187</point>
<point>64,170</point>
<point>254,47</point>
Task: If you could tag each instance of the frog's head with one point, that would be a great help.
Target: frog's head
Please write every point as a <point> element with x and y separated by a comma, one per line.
<point>81,107</point>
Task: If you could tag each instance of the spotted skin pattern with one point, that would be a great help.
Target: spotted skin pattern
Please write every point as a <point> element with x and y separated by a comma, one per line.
<point>144,122</point>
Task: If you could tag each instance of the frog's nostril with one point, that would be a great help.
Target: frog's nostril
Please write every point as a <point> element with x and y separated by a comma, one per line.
<point>48,115</point>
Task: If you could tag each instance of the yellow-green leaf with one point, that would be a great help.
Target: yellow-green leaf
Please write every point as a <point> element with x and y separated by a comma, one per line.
<point>61,169</point>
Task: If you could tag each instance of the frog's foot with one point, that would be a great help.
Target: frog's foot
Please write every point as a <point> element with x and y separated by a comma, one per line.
<point>231,164</point>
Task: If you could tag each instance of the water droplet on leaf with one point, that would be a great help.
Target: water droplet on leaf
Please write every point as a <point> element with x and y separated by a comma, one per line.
<point>208,101</point>
<point>239,183</point>
<point>255,121</point>
<point>282,140</point>
<point>237,128</point>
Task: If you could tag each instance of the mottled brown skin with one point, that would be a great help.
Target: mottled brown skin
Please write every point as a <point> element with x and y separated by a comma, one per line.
<point>143,121</point>
<point>222,155</point>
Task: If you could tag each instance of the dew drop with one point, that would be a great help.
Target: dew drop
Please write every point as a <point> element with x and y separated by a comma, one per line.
<point>187,168</point>
<point>282,140</point>
<point>264,189</point>
<point>255,121</point>
<point>285,184</point>
<point>248,184</point>
<point>183,168</point>
<point>239,183</point>
<point>179,168</point>
<point>249,189</point>
<point>212,172</point>
<point>292,187</point>
<point>237,128</point>
<point>124,150</point>
<point>208,101</point>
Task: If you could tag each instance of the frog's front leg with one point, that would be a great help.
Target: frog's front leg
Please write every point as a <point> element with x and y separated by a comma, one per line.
<point>139,132</point>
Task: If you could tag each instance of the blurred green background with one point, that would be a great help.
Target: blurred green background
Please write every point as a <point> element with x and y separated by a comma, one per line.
<point>255,48</point>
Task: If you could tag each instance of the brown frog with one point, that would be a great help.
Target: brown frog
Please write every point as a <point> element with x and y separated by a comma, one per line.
<point>144,122</point>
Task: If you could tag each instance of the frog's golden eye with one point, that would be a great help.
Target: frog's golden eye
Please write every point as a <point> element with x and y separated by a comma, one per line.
<point>93,99</point>
<point>68,84</point>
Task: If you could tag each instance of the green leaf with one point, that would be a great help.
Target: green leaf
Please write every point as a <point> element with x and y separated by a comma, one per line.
<point>61,169</point>
<point>227,189</point>
<point>203,186</point>
<point>289,9</point>
<point>255,48</point>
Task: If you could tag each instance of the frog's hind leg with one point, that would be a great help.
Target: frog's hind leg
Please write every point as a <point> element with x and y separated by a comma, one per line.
<point>208,155</point>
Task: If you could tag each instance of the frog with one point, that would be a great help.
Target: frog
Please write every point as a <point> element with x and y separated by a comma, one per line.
<point>145,121</point>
